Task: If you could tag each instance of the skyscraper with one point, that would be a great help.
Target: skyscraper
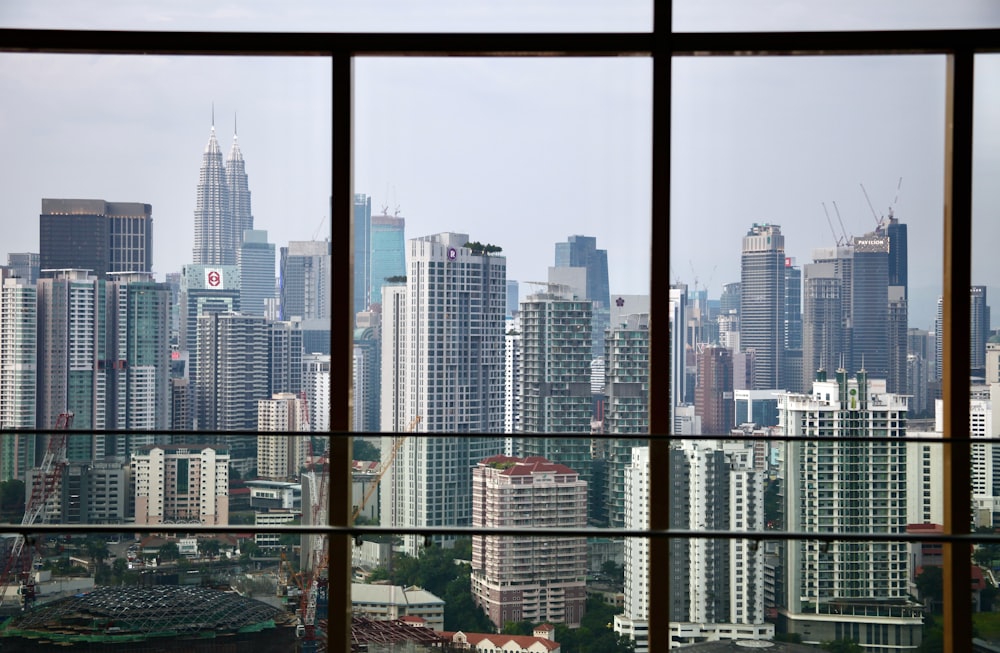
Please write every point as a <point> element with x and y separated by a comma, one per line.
<point>555,389</point>
<point>95,235</point>
<point>25,265</point>
<point>281,456</point>
<point>18,351</point>
<point>304,281</point>
<point>678,347</point>
<point>362,251</point>
<point>238,192</point>
<point>536,579</point>
<point>255,260</point>
<point>367,371</point>
<point>713,392</point>
<point>388,259</point>
<point>449,345</point>
<point>762,304</point>
<point>825,336</point>
<point>836,481</point>
<point>979,332</point>
<point>204,289</point>
<point>870,311</point>
<point>284,357</point>
<point>214,242</point>
<point>581,252</point>
<point>793,326</point>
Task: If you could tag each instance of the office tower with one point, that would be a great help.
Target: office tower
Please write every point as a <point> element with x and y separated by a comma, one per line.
<point>870,305</point>
<point>18,351</point>
<point>181,484</point>
<point>721,487</point>
<point>95,235</point>
<point>555,387</point>
<point>730,300</point>
<point>92,492</point>
<point>239,215</point>
<point>762,303</point>
<point>204,289</point>
<point>316,384</point>
<point>537,579</point>
<point>173,281</point>
<point>388,259</point>
<point>979,330</point>
<point>362,251</point>
<point>581,252</point>
<point>444,365</point>
<point>825,338</point>
<point>214,242</point>
<point>678,346</point>
<point>512,376</point>
<point>834,482</point>
<point>626,407</point>
<point>73,352</point>
<point>281,457</point>
<point>513,297</point>
<point>367,379</point>
<point>232,375</point>
<point>141,391</point>
<point>713,393</point>
<point>897,324</point>
<point>634,620</point>
<point>181,406</point>
<point>284,357</point>
<point>793,327</point>
<point>898,267</point>
<point>255,260</point>
<point>304,282</point>
<point>25,265</point>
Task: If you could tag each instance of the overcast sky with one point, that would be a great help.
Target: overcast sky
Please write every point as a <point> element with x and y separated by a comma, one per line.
<point>521,153</point>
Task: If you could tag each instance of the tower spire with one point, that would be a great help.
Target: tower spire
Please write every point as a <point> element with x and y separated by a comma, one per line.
<point>236,132</point>
<point>213,116</point>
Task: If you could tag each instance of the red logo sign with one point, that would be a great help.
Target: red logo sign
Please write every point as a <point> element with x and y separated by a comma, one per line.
<point>214,279</point>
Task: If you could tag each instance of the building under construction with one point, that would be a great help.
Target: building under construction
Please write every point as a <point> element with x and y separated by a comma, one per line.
<point>369,636</point>
<point>157,619</point>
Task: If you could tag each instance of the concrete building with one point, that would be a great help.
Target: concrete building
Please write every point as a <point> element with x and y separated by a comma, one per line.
<point>181,484</point>
<point>856,590</point>
<point>24,265</point>
<point>555,379</point>
<point>442,349</point>
<point>271,542</point>
<point>678,348</point>
<point>18,382</point>
<point>388,258</point>
<point>391,602</point>
<point>536,579</point>
<point>762,308</point>
<point>713,392</point>
<point>634,621</point>
<point>284,356</point>
<point>281,456</point>
<point>512,377</point>
<point>270,496</point>
<point>316,385</point>
<point>367,373</point>
<point>581,252</point>
<point>95,235</point>
<point>362,229</point>
<point>203,290</point>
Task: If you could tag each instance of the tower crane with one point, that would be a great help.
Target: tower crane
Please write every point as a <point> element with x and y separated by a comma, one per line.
<point>396,446</point>
<point>43,487</point>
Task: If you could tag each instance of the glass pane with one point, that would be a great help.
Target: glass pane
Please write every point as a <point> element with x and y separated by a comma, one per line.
<point>808,309</point>
<point>143,327</point>
<point>737,16</point>
<point>506,208</point>
<point>358,16</point>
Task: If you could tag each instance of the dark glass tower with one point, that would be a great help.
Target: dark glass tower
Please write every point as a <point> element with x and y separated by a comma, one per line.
<point>362,252</point>
<point>870,306</point>
<point>95,235</point>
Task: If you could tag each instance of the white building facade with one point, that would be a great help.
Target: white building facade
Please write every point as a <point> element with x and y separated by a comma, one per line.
<point>181,484</point>
<point>281,456</point>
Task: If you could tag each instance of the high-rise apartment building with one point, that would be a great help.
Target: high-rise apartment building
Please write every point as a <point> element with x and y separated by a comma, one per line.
<point>255,260</point>
<point>181,484</point>
<point>284,356</point>
<point>388,258</point>
<point>762,303</point>
<point>362,251</point>
<point>281,456</point>
<point>512,377</point>
<point>442,348</point>
<point>556,352</point>
<point>581,252</point>
<point>18,356</point>
<point>634,620</point>
<point>678,347</point>
<point>316,384</point>
<point>95,235</point>
<point>367,371</point>
<point>979,332</point>
<point>836,481</point>
<point>537,579</point>
<point>713,392</point>
<point>204,289</point>
<point>25,265</point>
<point>626,406</point>
<point>304,281</point>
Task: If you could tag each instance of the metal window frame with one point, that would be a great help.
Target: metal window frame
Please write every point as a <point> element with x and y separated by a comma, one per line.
<point>661,45</point>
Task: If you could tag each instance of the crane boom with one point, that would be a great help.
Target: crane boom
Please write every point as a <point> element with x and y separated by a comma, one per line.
<point>396,446</point>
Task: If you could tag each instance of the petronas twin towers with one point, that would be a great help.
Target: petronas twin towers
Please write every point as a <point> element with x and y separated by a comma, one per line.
<point>222,212</point>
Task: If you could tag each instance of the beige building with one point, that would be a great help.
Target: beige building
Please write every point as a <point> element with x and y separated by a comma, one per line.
<point>181,484</point>
<point>529,578</point>
<point>281,456</point>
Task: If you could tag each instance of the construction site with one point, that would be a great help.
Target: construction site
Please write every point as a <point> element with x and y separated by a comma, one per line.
<point>152,620</point>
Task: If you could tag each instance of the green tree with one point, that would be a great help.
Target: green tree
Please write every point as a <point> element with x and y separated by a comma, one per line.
<point>930,584</point>
<point>118,569</point>
<point>364,450</point>
<point>518,628</point>
<point>843,646</point>
<point>249,549</point>
<point>169,551</point>
<point>209,547</point>
<point>96,548</point>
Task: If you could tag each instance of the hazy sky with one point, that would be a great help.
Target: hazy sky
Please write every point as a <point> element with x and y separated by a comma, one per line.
<point>521,153</point>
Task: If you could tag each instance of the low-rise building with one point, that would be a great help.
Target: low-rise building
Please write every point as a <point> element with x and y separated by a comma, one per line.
<point>390,602</point>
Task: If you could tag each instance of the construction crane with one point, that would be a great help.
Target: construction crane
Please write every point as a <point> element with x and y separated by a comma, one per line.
<point>396,446</point>
<point>43,487</point>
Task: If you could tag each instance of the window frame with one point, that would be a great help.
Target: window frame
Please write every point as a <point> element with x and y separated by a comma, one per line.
<point>661,45</point>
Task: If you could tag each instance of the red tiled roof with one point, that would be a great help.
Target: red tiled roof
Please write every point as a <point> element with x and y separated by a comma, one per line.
<point>522,641</point>
<point>526,466</point>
